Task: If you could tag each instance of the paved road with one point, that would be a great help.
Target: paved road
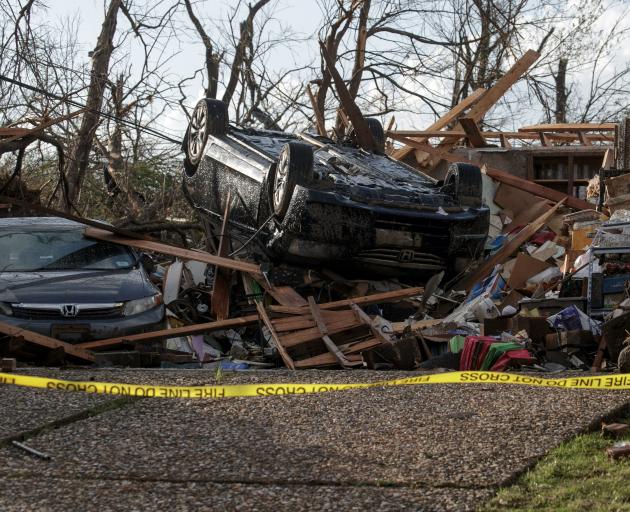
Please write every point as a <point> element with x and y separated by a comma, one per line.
<point>439,447</point>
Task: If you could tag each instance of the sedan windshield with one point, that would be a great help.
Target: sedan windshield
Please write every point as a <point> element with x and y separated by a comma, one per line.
<point>26,251</point>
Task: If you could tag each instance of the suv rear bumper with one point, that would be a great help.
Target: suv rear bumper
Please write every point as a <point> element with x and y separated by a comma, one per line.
<point>327,226</point>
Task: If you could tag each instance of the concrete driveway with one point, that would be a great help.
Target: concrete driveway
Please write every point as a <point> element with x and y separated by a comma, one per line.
<point>437,447</point>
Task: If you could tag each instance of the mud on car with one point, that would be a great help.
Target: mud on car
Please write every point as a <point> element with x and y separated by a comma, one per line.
<point>312,200</point>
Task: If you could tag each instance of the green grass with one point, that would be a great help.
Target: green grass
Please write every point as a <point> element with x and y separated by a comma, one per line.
<point>576,476</point>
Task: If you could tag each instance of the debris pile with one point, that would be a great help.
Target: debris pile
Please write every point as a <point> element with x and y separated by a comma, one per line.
<point>551,293</point>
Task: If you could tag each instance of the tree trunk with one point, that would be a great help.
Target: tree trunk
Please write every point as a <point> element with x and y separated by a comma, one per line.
<point>561,91</point>
<point>213,60</point>
<point>78,158</point>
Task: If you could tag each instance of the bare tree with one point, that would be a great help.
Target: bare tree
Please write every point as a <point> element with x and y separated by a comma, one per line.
<point>78,157</point>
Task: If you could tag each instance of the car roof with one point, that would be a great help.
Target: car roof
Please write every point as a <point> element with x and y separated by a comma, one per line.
<point>34,223</point>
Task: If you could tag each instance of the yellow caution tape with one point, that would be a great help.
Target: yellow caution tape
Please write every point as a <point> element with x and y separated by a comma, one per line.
<point>617,381</point>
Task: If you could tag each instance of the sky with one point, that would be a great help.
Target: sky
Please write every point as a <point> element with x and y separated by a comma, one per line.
<point>301,18</point>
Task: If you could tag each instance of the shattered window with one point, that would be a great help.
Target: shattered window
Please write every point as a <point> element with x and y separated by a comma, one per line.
<point>59,250</point>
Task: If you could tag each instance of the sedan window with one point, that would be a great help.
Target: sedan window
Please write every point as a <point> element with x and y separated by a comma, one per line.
<point>26,251</point>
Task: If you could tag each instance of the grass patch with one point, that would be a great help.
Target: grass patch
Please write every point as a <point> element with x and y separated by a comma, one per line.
<point>576,476</point>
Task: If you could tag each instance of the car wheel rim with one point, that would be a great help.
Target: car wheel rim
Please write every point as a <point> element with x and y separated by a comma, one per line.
<point>197,130</point>
<point>280,182</point>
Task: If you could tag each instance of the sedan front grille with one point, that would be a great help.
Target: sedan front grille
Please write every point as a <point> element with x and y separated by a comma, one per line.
<point>54,312</point>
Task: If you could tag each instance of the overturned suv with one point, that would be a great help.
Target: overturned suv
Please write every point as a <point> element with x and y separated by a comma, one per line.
<point>311,200</point>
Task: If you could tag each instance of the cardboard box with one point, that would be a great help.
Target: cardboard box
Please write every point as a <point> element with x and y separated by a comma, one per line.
<point>524,268</point>
<point>563,339</point>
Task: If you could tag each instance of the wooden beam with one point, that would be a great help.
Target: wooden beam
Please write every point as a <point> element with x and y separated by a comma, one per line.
<point>46,341</point>
<point>564,137</point>
<point>221,287</point>
<point>163,334</point>
<point>295,323</point>
<point>506,251</point>
<point>283,295</point>
<point>319,120</point>
<point>323,330</point>
<point>473,133</point>
<point>544,140</point>
<point>281,350</point>
<point>313,333</point>
<point>570,127</point>
<point>171,250</point>
<point>359,124</point>
<point>503,84</point>
<point>445,120</point>
<point>504,177</point>
<point>375,298</point>
<point>505,142</point>
<point>496,92</point>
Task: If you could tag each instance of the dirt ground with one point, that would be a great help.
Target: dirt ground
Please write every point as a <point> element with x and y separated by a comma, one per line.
<point>437,447</point>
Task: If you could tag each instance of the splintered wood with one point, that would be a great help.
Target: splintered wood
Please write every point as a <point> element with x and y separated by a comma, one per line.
<point>317,337</point>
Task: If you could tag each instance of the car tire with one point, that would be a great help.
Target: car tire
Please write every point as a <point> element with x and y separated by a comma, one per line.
<point>209,117</point>
<point>463,181</point>
<point>378,134</point>
<point>294,166</point>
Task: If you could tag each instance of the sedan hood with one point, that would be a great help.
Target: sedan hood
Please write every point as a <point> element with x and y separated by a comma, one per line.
<point>74,287</point>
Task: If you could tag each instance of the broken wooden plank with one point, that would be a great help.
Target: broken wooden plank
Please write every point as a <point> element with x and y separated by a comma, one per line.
<point>171,250</point>
<point>496,92</point>
<point>295,323</point>
<point>323,330</point>
<point>281,349</point>
<point>473,133</point>
<point>359,124</point>
<point>445,120</point>
<point>570,127</point>
<point>423,135</point>
<point>375,298</point>
<point>503,84</point>
<point>221,287</point>
<point>504,177</point>
<point>283,295</point>
<point>313,334</point>
<point>46,341</point>
<point>188,330</point>
<point>505,252</point>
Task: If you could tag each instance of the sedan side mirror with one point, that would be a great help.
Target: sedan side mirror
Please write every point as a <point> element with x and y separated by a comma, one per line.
<point>147,262</point>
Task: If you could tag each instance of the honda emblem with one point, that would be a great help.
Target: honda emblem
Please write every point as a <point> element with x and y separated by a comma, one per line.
<point>69,310</point>
<point>406,256</point>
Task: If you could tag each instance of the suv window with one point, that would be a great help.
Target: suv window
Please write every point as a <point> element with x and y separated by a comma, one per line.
<point>23,251</point>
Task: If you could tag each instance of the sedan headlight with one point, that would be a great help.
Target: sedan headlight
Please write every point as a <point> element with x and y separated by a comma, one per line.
<point>5,309</point>
<point>133,307</point>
